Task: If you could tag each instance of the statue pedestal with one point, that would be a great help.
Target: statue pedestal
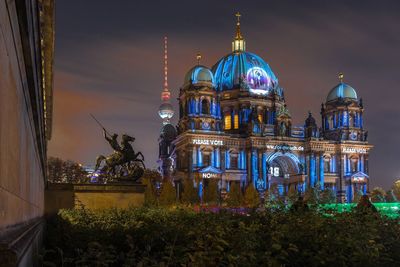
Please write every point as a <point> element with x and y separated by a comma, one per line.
<point>93,196</point>
<point>122,181</point>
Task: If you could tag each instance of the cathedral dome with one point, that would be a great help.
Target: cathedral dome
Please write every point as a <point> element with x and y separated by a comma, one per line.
<point>342,90</point>
<point>199,74</point>
<point>244,70</point>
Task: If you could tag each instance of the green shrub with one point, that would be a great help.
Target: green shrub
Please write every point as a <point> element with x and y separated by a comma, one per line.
<point>210,192</point>
<point>251,197</point>
<point>189,193</point>
<point>168,194</point>
<point>235,196</point>
<point>182,237</point>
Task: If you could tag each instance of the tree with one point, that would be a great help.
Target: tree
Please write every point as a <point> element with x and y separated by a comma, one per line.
<point>60,171</point>
<point>292,195</point>
<point>396,189</point>
<point>54,169</point>
<point>357,196</point>
<point>150,194</point>
<point>378,195</point>
<point>211,193</point>
<point>74,173</point>
<point>272,199</point>
<point>328,196</point>
<point>235,197</point>
<point>189,193</point>
<point>251,197</point>
<point>273,192</point>
<point>151,178</point>
<point>391,196</point>
<point>311,196</point>
<point>168,194</point>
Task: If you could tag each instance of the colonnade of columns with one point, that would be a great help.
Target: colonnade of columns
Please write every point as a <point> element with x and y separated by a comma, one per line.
<point>343,118</point>
<point>254,161</point>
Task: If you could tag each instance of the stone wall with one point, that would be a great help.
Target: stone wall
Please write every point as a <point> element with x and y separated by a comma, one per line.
<point>23,135</point>
<point>93,196</point>
<point>21,169</point>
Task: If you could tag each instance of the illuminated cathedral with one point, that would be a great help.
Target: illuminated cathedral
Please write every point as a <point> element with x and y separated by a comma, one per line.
<point>234,126</point>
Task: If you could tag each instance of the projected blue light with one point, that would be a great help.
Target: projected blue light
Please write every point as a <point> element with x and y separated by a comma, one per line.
<point>245,70</point>
<point>321,172</point>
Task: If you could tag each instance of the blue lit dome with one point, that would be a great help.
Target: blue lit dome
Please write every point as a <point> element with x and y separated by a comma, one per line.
<point>244,70</point>
<point>342,90</point>
<point>199,74</point>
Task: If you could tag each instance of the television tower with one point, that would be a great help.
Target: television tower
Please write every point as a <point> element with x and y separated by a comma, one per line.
<point>166,111</point>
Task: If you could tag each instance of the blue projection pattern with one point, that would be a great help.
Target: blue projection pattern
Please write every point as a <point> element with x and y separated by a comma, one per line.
<point>245,70</point>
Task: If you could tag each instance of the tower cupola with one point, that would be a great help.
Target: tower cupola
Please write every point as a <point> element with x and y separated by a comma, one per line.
<point>238,43</point>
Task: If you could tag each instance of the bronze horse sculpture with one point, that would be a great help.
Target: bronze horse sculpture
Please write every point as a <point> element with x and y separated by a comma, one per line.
<point>123,162</point>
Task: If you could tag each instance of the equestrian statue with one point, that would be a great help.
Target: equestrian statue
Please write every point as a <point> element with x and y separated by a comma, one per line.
<point>123,164</point>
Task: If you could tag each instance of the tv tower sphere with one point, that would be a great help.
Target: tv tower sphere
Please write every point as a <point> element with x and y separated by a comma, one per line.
<point>166,111</point>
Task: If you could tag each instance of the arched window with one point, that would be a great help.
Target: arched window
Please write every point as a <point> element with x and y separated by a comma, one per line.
<point>205,106</point>
<point>234,161</point>
<point>353,164</point>
<point>260,118</point>
<point>351,120</point>
<point>355,120</point>
<point>182,107</point>
<point>236,121</point>
<point>187,109</point>
<point>227,121</point>
<point>206,158</point>
<point>327,164</point>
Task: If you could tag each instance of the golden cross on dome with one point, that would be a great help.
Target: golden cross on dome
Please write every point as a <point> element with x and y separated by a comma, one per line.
<point>238,17</point>
<point>238,43</point>
<point>238,33</point>
<point>198,57</point>
<point>341,76</point>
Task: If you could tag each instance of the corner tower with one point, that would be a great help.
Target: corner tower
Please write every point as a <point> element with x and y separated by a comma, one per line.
<point>342,114</point>
<point>343,124</point>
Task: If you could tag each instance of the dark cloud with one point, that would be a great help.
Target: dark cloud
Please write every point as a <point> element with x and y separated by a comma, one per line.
<point>109,62</point>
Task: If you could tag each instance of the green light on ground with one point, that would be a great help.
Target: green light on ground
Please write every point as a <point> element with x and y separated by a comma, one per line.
<point>391,210</point>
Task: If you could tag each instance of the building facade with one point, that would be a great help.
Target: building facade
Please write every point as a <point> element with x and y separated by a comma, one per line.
<point>26,78</point>
<point>234,126</point>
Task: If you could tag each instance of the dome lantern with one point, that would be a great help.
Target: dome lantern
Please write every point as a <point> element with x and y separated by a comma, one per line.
<point>238,43</point>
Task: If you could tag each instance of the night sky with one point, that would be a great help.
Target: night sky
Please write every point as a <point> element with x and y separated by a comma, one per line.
<point>109,62</point>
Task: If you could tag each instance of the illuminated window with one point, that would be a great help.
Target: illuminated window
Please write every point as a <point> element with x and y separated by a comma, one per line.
<point>260,118</point>
<point>327,165</point>
<point>234,161</point>
<point>236,121</point>
<point>205,107</point>
<point>228,122</point>
<point>206,160</point>
<point>353,164</point>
